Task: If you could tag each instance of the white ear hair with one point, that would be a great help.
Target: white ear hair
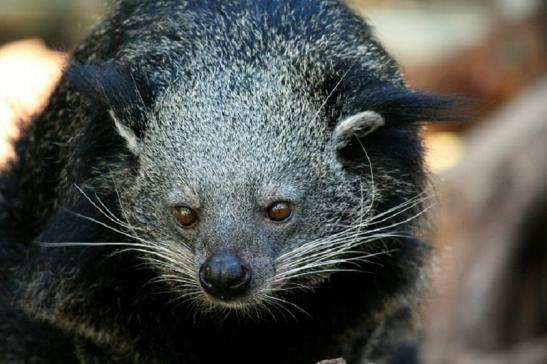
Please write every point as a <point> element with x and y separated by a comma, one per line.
<point>357,125</point>
<point>126,133</point>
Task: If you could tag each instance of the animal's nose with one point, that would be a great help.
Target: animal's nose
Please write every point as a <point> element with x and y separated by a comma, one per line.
<point>225,276</point>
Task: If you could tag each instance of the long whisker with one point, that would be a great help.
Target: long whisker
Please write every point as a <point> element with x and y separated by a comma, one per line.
<point>288,303</point>
<point>105,212</point>
<point>325,255</point>
<point>326,262</point>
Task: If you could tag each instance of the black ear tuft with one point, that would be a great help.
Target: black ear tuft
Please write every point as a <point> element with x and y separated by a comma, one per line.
<point>384,113</point>
<point>113,88</point>
<point>398,105</point>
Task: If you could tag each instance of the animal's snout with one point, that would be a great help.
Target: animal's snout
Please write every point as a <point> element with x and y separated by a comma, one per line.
<point>225,276</point>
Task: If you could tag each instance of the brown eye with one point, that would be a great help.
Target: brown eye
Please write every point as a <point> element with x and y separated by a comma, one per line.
<point>185,215</point>
<point>279,211</point>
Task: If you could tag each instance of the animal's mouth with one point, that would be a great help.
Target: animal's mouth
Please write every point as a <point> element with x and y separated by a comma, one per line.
<point>231,303</point>
<point>252,300</point>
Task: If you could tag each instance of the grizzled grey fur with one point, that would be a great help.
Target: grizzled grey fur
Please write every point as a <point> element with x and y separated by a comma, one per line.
<point>224,107</point>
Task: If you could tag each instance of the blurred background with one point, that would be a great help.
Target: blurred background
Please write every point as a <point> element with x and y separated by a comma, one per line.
<point>490,304</point>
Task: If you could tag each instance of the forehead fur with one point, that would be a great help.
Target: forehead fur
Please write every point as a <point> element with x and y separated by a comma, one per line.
<point>241,121</point>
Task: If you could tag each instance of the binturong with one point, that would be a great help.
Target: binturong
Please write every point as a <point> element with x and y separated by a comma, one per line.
<point>218,182</point>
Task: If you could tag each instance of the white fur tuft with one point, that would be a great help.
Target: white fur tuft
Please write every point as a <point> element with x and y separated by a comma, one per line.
<point>359,125</point>
<point>126,133</point>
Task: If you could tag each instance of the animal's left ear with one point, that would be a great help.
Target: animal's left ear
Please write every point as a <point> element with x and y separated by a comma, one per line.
<point>111,88</point>
<point>356,126</point>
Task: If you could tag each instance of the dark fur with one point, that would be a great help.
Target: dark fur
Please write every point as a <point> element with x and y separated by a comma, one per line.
<point>83,305</point>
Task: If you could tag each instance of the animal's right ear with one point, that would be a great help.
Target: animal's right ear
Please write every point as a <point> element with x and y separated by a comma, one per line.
<point>355,127</point>
<point>113,89</point>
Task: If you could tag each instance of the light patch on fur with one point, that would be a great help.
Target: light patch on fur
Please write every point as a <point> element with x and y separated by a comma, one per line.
<point>125,132</point>
<point>358,125</point>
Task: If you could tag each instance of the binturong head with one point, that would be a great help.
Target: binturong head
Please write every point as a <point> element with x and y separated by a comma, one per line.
<point>262,167</point>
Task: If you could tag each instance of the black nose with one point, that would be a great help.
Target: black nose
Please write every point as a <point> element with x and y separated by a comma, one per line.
<point>225,276</point>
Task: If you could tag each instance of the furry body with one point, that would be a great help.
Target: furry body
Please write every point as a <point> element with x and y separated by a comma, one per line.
<point>227,105</point>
